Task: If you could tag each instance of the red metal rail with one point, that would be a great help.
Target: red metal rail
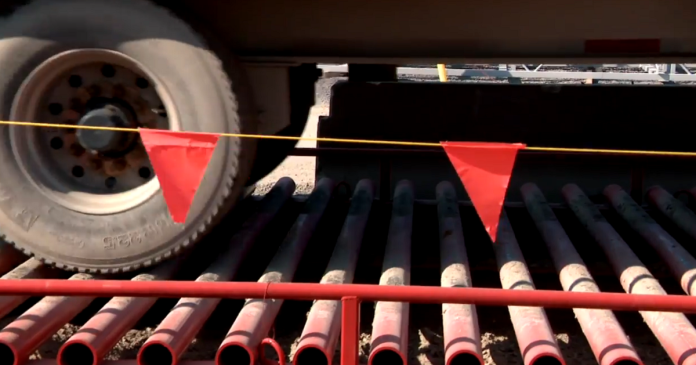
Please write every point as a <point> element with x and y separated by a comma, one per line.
<point>365,292</point>
<point>351,295</point>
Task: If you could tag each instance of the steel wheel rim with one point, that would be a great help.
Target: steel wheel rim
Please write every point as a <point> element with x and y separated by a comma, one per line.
<point>97,183</point>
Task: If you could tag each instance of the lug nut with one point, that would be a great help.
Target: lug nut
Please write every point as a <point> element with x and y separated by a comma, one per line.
<point>119,91</point>
<point>107,89</point>
<point>94,91</point>
<point>96,164</point>
<point>141,106</point>
<point>77,106</point>
<point>76,150</point>
<point>83,94</point>
<point>119,165</point>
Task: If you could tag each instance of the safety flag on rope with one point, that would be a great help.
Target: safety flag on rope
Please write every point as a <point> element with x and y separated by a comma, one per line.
<point>485,170</point>
<point>180,160</point>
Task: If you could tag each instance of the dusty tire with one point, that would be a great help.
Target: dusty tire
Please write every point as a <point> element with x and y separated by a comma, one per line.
<point>203,95</point>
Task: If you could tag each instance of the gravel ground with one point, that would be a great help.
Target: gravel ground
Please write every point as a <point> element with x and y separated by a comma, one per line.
<point>426,347</point>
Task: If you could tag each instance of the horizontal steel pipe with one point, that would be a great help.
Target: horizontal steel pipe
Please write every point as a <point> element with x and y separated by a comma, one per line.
<point>372,292</point>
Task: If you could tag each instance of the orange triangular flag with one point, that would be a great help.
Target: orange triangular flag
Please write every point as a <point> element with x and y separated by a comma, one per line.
<point>485,170</point>
<point>179,160</point>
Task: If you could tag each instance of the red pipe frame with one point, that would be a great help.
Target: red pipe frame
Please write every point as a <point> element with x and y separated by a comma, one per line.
<point>351,295</point>
<point>366,292</point>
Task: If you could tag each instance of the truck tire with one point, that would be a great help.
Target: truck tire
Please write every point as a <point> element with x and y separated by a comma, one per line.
<point>82,204</point>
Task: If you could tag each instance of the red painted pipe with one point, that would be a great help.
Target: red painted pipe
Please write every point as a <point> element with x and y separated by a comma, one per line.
<point>278,350</point>
<point>389,344</point>
<point>461,336</point>
<point>26,333</point>
<point>257,316</point>
<point>674,331</point>
<point>320,334</point>
<point>173,336</point>
<point>315,291</point>
<point>30,269</point>
<point>99,335</point>
<point>350,331</point>
<point>532,329</point>
<point>679,260</point>
<point>607,339</point>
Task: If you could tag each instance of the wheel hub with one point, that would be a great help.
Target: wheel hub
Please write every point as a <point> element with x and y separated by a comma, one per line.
<point>104,141</point>
<point>89,170</point>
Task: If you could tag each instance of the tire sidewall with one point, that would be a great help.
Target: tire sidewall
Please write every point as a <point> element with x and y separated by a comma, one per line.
<point>181,64</point>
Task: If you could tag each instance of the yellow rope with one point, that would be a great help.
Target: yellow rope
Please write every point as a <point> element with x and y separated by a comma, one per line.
<point>365,141</point>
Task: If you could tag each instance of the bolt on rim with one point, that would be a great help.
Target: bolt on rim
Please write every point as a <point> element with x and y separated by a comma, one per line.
<point>90,171</point>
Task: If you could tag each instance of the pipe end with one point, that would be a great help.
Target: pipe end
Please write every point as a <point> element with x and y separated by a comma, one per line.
<point>8,355</point>
<point>155,353</point>
<point>547,359</point>
<point>76,353</point>
<point>627,361</point>
<point>386,356</point>
<point>233,354</point>
<point>311,355</point>
<point>465,358</point>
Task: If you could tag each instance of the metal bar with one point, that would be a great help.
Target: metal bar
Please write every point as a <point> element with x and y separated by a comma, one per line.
<point>674,331</point>
<point>674,209</point>
<point>532,329</point>
<point>26,333</point>
<point>350,330</point>
<point>173,336</point>
<point>257,316</point>
<point>680,262</point>
<point>607,339</point>
<point>461,336</point>
<point>99,335</point>
<point>389,343</point>
<point>366,292</point>
<point>320,334</point>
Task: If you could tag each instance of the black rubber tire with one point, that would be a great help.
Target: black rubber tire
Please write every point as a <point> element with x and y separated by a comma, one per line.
<point>206,100</point>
